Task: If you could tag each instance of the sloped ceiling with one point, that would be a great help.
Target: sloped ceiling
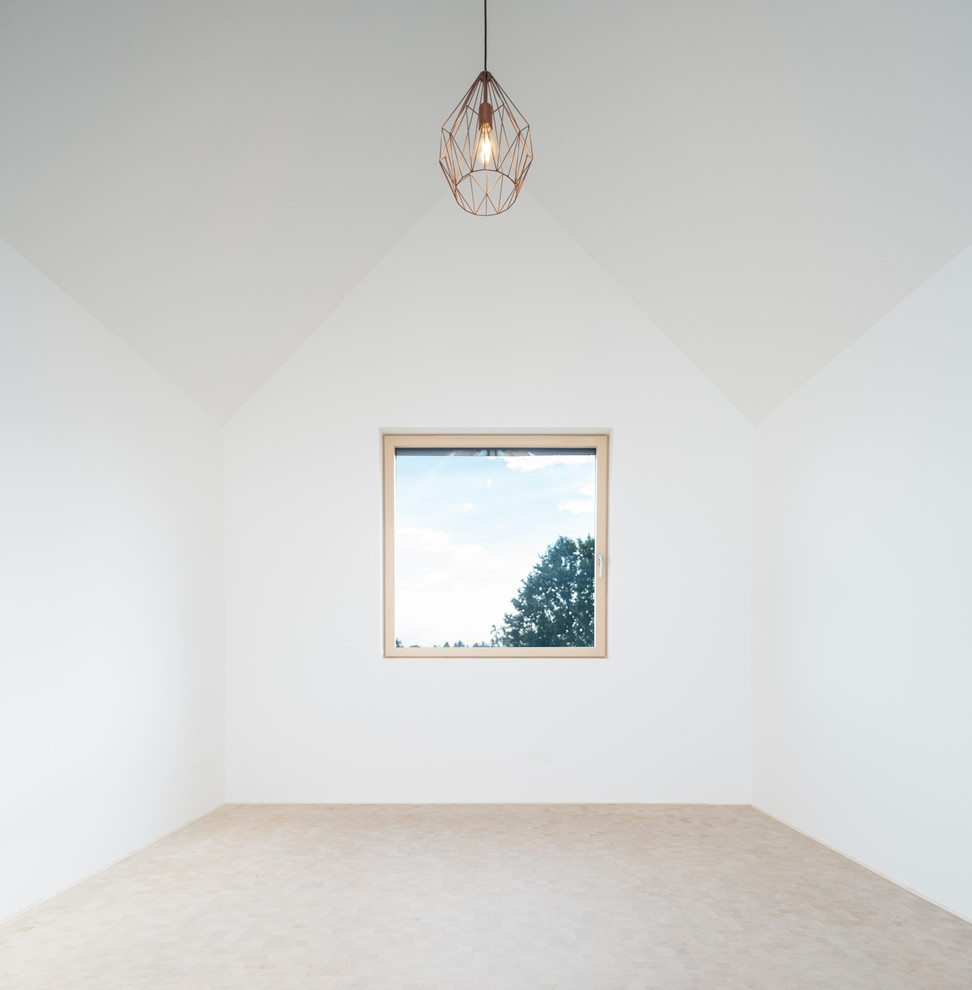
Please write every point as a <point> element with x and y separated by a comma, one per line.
<point>210,178</point>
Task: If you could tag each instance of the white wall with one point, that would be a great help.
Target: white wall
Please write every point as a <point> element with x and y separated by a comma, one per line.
<point>497,323</point>
<point>111,661</point>
<point>863,626</point>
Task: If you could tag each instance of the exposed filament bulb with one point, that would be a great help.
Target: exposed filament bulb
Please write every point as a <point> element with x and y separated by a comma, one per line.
<point>486,143</point>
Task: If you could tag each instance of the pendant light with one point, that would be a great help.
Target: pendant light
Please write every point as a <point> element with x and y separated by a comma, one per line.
<point>485,151</point>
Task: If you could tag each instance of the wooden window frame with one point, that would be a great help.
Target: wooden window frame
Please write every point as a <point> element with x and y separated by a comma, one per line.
<point>395,441</point>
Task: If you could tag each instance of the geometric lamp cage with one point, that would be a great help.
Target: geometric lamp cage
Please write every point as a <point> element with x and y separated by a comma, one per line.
<point>485,151</point>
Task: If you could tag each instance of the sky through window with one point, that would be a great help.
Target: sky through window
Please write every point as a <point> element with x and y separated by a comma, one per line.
<point>470,527</point>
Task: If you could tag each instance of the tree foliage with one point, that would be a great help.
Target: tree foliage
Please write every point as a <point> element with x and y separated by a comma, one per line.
<point>555,604</point>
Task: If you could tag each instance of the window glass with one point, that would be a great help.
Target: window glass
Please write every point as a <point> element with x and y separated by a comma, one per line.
<point>494,546</point>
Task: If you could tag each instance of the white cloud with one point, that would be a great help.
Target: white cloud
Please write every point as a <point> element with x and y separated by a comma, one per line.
<point>527,463</point>
<point>449,590</point>
<point>468,507</point>
<point>578,505</point>
<point>438,545</point>
<point>415,538</point>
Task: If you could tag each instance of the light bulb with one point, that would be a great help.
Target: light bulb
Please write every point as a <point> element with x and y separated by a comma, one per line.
<point>486,141</point>
<point>485,150</point>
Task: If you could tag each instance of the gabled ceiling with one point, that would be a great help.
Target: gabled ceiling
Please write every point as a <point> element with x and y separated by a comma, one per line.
<point>210,178</point>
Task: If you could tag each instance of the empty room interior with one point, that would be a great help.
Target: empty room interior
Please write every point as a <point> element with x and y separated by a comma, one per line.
<point>737,279</point>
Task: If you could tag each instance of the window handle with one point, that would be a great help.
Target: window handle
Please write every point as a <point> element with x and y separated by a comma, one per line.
<point>600,565</point>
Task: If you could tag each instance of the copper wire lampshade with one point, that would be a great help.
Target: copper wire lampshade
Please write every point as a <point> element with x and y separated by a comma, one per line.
<point>485,151</point>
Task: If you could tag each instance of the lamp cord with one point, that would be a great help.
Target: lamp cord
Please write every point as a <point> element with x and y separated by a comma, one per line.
<point>484,35</point>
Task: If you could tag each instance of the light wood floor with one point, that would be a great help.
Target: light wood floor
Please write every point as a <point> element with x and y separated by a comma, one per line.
<point>384,897</point>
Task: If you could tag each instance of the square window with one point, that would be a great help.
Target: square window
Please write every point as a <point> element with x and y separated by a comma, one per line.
<point>495,546</point>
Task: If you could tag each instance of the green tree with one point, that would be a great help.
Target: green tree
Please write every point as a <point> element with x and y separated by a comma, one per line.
<point>555,603</point>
